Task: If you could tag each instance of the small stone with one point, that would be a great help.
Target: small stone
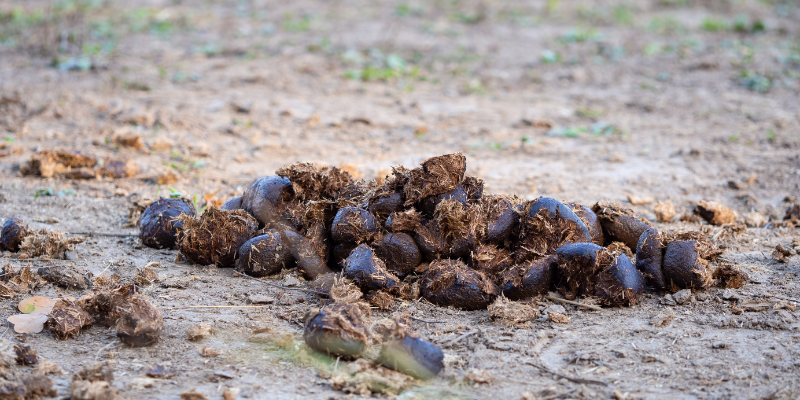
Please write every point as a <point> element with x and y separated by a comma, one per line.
<point>731,295</point>
<point>198,332</point>
<point>718,345</point>
<point>668,300</point>
<point>291,281</point>
<point>260,299</point>
<point>141,383</point>
<point>684,296</point>
<point>556,308</point>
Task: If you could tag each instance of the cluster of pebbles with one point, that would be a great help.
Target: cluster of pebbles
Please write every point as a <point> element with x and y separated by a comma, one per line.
<point>430,232</point>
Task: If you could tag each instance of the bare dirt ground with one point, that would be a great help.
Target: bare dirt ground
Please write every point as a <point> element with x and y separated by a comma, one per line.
<point>582,101</point>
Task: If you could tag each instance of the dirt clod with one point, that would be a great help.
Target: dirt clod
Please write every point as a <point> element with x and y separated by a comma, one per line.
<point>715,213</point>
<point>664,211</point>
<point>25,355</point>
<point>511,312</point>
<point>729,276</point>
<point>215,238</point>
<point>198,332</point>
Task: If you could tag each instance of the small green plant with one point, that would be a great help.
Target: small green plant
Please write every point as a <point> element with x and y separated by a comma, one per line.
<point>579,35</point>
<point>589,112</point>
<point>622,15</point>
<point>174,193</point>
<point>666,26</point>
<point>551,57</point>
<point>755,81</point>
<point>292,24</point>
<point>715,24</point>
<point>571,131</point>
<point>50,192</point>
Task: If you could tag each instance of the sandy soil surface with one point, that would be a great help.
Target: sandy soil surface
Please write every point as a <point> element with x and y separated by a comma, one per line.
<point>583,101</point>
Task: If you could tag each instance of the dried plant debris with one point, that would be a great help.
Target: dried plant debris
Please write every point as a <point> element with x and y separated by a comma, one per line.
<point>310,183</point>
<point>18,386</point>
<point>337,330</point>
<point>264,255</point>
<point>216,236</point>
<point>782,254</point>
<point>137,322</point>
<point>159,222</point>
<point>450,283</point>
<point>511,312</point>
<point>729,276</point>
<point>48,163</point>
<point>437,175</point>
<point>14,231</point>
<point>590,219</point>
<point>94,383</point>
<point>620,224</point>
<point>25,355</point>
<point>67,319</point>
<point>368,271</point>
<point>354,225</point>
<point>664,211</point>
<point>16,281</point>
<point>405,221</point>
<point>545,225</point>
<point>67,277</point>
<point>531,278</point>
<point>491,260</point>
<point>47,243</point>
<point>715,213</point>
<point>145,276</point>
<point>427,206</point>
<point>198,332</point>
<point>363,377</point>
<point>399,253</point>
<point>410,354</point>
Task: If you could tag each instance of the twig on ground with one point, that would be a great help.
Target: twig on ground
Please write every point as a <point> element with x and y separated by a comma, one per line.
<point>569,378</point>
<point>426,321</point>
<point>109,234</point>
<point>182,307</point>
<point>466,335</point>
<point>279,286</point>
<point>574,303</point>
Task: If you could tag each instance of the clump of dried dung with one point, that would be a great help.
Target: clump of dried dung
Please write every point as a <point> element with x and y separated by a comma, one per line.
<point>715,213</point>
<point>48,163</point>
<point>436,175</point>
<point>665,211</point>
<point>67,319</point>
<point>216,236</point>
<point>337,330</point>
<point>545,225</point>
<point>512,313</point>
<point>48,243</point>
<point>729,276</point>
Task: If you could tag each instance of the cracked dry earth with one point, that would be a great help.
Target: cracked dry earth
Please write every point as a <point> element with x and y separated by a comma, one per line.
<point>698,135</point>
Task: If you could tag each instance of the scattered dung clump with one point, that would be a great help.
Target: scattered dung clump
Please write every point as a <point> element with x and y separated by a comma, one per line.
<point>67,277</point>
<point>368,271</point>
<point>499,219</point>
<point>410,354</point>
<point>264,255</point>
<point>159,222</point>
<point>25,355</point>
<point>793,215</point>
<point>116,169</point>
<point>450,283</point>
<point>94,383</point>
<point>47,243</point>
<point>715,213</point>
<point>729,276</point>
<point>48,163</point>
<point>453,232</point>
<point>399,252</point>
<point>137,322</point>
<point>354,225</point>
<point>67,319</point>
<point>14,231</point>
<point>266,197</point>
<point>545,225</point>
<point>437,175</point>
<point>590,219</point>
<point>512,312</point>
<point>664,211</point>
<point>531,278</point>
<point>215,238</point>
<point>620,224</point>
<point>337,330</point>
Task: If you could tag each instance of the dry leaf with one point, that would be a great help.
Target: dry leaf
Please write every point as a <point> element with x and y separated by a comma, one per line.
<point>37,305</point>
<point>28,323</point>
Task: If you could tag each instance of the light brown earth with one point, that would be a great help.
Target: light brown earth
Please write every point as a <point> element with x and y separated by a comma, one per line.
<point>682,125</point>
